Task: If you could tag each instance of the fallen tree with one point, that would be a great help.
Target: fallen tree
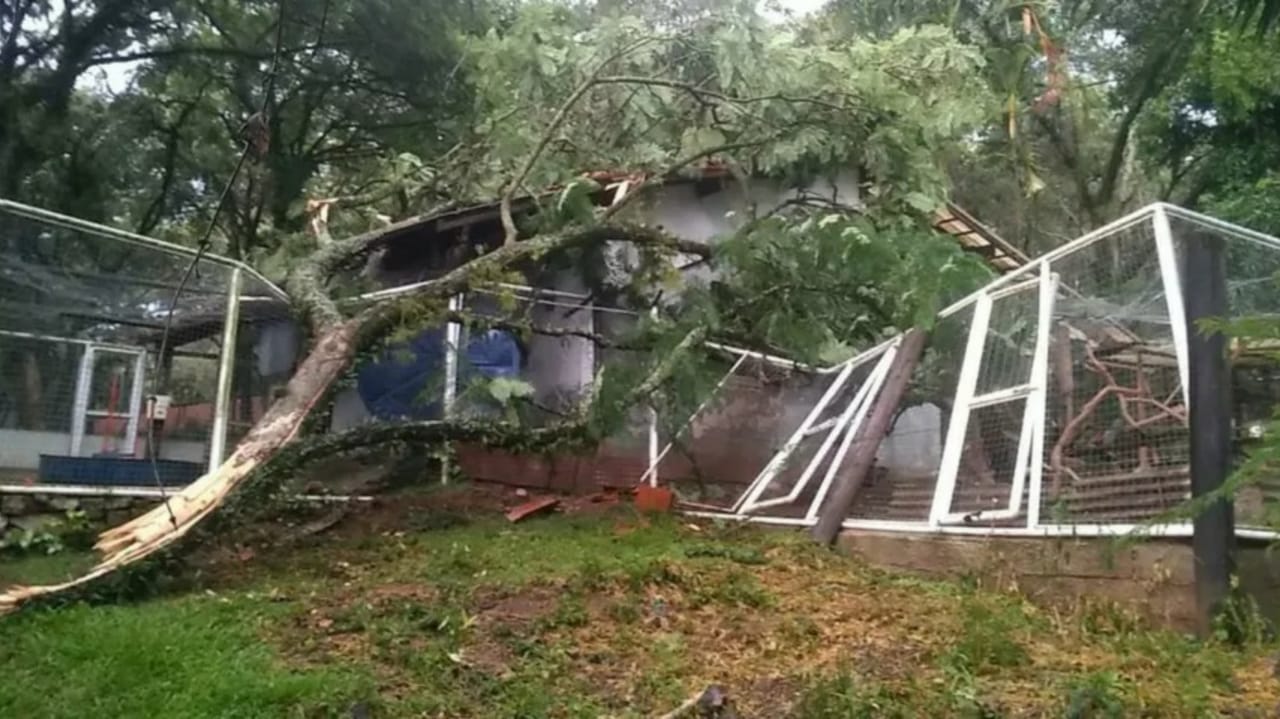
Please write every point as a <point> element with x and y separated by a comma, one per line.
<point>811,276</point>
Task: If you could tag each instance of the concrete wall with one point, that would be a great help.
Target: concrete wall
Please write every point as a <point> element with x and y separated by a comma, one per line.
<point>21,449</point>
<point>1153,578</point>
<point>915,444</point>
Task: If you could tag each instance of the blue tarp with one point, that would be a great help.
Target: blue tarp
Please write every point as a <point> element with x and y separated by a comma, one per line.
<point>407,380</point>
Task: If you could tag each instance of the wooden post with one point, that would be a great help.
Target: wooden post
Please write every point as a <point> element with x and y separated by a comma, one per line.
<point>869,437</point>
<point>1209,397</point>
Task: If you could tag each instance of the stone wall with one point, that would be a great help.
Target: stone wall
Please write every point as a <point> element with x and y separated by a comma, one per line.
<point>1154,578</point>
<point>32,511</point>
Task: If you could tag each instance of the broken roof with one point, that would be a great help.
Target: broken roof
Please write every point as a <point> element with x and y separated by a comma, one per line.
<point>970,234</point>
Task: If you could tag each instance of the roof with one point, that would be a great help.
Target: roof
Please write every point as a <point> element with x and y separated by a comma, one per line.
<point>950,219</point>
<point>977,237</point>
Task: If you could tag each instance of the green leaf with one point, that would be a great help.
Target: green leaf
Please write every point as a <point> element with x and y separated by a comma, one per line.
<point>574,202</point>
<point>697,140</point>
<point>922,202</point>
<point>504,389</point>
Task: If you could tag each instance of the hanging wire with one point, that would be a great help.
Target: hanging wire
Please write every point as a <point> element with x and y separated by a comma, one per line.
<point>256,123</point>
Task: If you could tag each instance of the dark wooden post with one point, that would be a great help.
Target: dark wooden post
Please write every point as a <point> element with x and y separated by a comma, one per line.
<point>870,434</point>
<point>1209,395</point>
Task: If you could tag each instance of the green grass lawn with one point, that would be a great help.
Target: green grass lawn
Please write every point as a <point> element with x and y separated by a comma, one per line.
<point>601,614</point>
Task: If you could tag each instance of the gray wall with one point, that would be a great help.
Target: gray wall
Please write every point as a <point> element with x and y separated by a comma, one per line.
<point>565,366</point>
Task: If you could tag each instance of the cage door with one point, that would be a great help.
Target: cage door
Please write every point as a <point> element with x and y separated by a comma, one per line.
<point>108,402</point>
<point>995,434</point>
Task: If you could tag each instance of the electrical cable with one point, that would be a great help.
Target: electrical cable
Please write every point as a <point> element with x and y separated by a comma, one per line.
<point>203,246</point>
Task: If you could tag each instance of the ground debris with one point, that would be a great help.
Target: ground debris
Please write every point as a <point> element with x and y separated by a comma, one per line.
<point>711,703</point>
<point>532,507</point>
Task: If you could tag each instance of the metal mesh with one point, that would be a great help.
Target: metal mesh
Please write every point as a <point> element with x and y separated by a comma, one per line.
<point>1116,435</point>
<point>799,478</point>
<point>1252,268</point>
<point>742,424</point>
<point>82,313</point>
<point>902,483</point>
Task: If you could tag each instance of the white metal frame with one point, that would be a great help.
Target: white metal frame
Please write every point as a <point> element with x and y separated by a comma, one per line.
<point>1171,276</point>
<point>1032,393</point>
<point>81,412</point>
<point>779,459</point>
<point>226,372</point>
<point>848,423</point>
<point>75,223</point>
<point>1032,437</point>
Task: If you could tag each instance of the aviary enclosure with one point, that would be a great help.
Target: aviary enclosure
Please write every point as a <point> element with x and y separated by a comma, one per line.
<point>1049,402</point>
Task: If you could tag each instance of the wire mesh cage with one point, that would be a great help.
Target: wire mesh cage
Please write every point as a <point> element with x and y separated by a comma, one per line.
<point>758,407</point>
<point>1053,400</point>
<point>1116,423</point>
<point>84,352</point>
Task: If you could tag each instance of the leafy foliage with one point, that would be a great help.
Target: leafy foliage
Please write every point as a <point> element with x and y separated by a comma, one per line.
<point>820,285</point>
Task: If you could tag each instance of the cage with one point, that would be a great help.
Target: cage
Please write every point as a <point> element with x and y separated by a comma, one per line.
<point>1050,402</point>
<point>93,389</point>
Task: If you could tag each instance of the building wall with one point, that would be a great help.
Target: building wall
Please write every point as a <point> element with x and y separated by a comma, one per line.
<point>21,449</point>
<point>560,366</point>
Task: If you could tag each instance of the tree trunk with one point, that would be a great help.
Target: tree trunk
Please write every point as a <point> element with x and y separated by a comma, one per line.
<point>872,432</point>
<point>337,341</point>
<point>143,536</point>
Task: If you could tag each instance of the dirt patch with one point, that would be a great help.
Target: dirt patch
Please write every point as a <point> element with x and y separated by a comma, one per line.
<point>403,592</point>
<point>514,609</point>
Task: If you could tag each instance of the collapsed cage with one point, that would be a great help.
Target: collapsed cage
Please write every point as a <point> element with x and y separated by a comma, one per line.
<point>1052,401</point>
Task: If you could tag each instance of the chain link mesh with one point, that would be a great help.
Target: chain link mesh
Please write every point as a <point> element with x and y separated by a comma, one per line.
<point>82,316</point>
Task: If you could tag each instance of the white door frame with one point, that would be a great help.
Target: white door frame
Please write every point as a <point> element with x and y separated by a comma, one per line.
<point>1027,464</point>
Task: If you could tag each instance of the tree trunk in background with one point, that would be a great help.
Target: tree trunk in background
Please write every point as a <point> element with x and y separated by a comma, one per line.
<point>31,414</point>
<point>870,435</point>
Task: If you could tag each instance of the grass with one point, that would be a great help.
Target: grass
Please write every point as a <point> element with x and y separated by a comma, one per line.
<point>40,569</point>
<point>189,657</point>
<point>602,614</point>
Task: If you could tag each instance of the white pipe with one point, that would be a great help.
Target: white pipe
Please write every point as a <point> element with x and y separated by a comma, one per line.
<point>653,426</point>
<point>1179,530</point>
<point>135,404</point>
<point>855,408</point>
<point>1034,266</point>
<point>774,466</point>
<point>80,404</point>
<point>89,490</point>
<point>1229,228</point>
<point>75,223</point>
<point>1171,276</point>
<point>1001,396</point>
<point>226,371</point>
<point>949,464</point>
<point>1032,411</point>
<point>452,350</point>
<point>126,349</point>
<point>867,396</point>
<point>1040,374</point>
<point>705,403</point>
<point>777,361</point>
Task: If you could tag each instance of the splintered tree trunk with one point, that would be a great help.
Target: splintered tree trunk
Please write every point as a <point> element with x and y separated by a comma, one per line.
<point>335,347</point>
<point>870,435</point>
<point>129,542</point>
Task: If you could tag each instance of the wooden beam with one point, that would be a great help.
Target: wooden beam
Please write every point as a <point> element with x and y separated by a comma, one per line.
<point>870,435</point>
<point>1212,545</point>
